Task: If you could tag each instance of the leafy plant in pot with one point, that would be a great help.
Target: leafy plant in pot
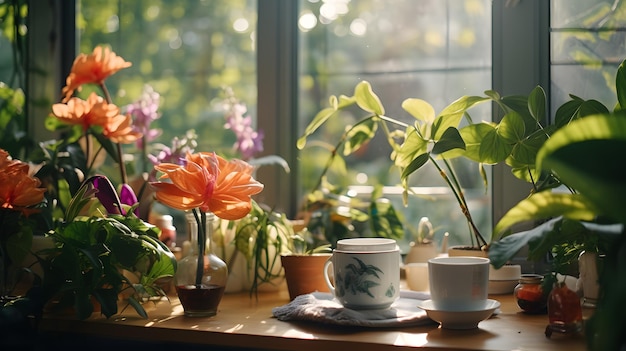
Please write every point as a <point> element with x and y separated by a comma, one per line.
<point>98,259</point>
<point>585,156</point>
<point>304,262</point>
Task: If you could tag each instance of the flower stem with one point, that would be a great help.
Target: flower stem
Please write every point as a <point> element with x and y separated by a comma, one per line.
<point>201,230</point>
<point>120,152</point>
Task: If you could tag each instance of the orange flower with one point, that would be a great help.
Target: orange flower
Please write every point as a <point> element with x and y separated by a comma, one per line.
<point>92,68</point>
<point>18,190</point>
<point>119,129</point>
<point>210,183</point>
<point>93,111</point>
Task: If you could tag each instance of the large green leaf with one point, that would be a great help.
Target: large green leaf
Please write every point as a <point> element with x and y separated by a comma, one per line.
<point>502,250</point>
<point>588,156</point>
<point>493,148</point>
<point>367,99</point>
<point>544,205</point>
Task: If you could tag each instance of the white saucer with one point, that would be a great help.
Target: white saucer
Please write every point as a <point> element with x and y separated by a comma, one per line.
<point>459,319</point>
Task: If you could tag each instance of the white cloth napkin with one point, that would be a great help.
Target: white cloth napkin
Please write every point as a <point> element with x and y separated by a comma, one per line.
<point>323,308</point>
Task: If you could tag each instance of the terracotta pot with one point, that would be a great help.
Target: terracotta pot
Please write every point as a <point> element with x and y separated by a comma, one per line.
<point>305,273</point>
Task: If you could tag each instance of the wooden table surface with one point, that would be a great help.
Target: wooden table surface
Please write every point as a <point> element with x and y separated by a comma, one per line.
<point>245,322</point>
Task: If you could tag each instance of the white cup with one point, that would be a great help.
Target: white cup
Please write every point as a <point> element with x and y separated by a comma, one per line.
<point>366,272</point>
<point>458,283</point>
<point>417,276</point>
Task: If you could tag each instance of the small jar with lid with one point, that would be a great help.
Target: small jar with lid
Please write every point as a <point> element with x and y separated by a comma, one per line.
<point>529,294</point>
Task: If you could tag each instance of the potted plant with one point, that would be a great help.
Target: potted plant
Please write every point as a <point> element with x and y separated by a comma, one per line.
<point>584,155</point>
<point>304,261</point>
<point>432,138</point>
<point>254,243</point>
<point>101,253</point>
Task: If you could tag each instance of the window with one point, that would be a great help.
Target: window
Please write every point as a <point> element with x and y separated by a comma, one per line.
<point>188,51</point>
<point>434,50</point>
<point>506,45</point>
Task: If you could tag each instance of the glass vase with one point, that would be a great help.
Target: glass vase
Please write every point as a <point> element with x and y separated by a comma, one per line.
<point>200,287</point>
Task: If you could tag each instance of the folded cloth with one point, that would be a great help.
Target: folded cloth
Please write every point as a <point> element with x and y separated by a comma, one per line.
<point>323,308</point>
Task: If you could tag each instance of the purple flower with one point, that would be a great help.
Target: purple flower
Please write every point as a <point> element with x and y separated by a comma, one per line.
<point>249,141</point>
<point>144,112</point>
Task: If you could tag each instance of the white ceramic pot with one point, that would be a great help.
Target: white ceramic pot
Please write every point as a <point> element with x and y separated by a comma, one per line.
<point>588,279</point>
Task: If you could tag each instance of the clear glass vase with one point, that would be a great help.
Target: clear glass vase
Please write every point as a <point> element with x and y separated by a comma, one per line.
<point>200,287</point>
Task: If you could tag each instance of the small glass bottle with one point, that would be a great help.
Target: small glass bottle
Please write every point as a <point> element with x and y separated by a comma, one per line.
<point>200,298</point>
<point>564,310</point>
<point>529,294</point>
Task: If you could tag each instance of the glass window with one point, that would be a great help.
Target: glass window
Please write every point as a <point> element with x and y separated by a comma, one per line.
<point>587,44</point>
<point>434,50</point>
<point>187,51</point>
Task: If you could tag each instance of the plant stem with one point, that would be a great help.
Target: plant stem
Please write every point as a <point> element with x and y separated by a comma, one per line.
<point>458,194</point>
<point>201,230</point>
<point>120,152</point>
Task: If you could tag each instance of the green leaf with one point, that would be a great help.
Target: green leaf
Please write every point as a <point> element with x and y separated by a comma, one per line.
<point>544,205</point>
<point>620,84</point>
<point>452,114</point>
<point>504,249</point>
<point>450,139</point>
<point>367,99</point>
<point>359,135</point>
<point>416,164</point>
<point>493,148</point>
<point>385,220</point>
<point>419,109</point>
<point>537,103</point>
<point>319,119</point>
<point>413,146</point>
<point>567,112</point>
<point>525,151</point>
<point>138,307</point>
<point>585,156</point>
<point>473,135</point>
<point>512,128</point>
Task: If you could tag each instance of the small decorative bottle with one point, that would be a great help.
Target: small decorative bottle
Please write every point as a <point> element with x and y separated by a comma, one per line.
<point>529,294</point>
<point>564,310</point>
<point>200,287</point>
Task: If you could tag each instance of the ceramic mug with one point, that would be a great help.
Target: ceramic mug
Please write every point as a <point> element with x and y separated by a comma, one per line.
<point>458,283</point>
<point>366,273</point>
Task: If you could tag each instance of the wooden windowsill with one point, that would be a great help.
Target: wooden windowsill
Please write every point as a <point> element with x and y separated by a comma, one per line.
<point>245,322</point>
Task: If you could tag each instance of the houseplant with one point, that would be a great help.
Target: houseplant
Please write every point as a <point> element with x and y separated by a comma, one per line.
<point>583,155</point>
<point>431,138</point>
<point>304,261</point>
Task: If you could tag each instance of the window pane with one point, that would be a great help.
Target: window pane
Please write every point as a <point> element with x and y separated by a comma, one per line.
<point>587,44</point>
<point>187,51</point>
<point>429,49</point>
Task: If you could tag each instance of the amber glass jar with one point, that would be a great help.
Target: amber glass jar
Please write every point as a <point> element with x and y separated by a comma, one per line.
<point>529,294</point>
<point>564,310</point>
